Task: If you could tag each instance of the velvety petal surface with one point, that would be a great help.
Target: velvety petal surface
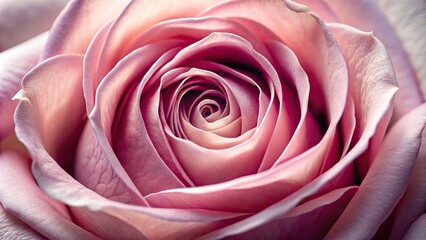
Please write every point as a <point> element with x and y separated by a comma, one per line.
<point>12,227</point>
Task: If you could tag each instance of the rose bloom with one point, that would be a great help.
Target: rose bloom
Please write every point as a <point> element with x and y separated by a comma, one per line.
<point>212,119</point>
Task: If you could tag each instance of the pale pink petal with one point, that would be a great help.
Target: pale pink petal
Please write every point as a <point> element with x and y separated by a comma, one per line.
<point>92,168</point>
<point>121,81</point>
<point>14,64</point>
<point>77,24</point>
<point>408,19</point>
<point>21,197</point>
<point>130,23</point>
<point>55,87</point>
<point>370,71</point>
<point>306,130</point>
<point>417,229</point>
<point>310,220</point>
<point>413,204</point>
<point>385,181</point>
<point>13,227</point>
<point>24,19</point>
<point>365,15</point>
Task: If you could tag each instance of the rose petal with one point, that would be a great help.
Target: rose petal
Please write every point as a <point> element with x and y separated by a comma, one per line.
<point>12,227</point>
<point>407,19</point>
<point>52,95</point>
<point>130,22</point>
<point>386,179</point>
<point>366,16</point>
<point>92,169</point>
<point>14,64</point>
<point>417,229</point>
<point>24,19</point>
<point>317,215</point>
<point>32,206</point>
<point>370,70</point>
<point>126,74</point>
<point>413,204</point>
<point>67,35</point>
<point>54,86</point>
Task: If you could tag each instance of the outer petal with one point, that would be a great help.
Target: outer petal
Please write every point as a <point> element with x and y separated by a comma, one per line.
<point>77,24</point>
<point>12,227</point>
<point>408,19</point>
<point>365,15</point>
<point>417,230</point>
<point>413,204</point>
<point>21,20</point>
<point>310,220</point>
<point>386,180</point>
<point>14,64</point>
<point>21,197</point>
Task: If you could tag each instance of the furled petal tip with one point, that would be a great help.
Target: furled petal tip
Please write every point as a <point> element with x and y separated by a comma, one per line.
<point>20,95</point>
<point>297,7</point>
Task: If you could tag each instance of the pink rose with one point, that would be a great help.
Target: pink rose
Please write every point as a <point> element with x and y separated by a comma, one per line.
<point>213,119</point>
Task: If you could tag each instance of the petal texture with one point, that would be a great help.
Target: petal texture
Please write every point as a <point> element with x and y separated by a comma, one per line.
<point>365,15</point>
<point>386,180</point>
<point>30,205</point>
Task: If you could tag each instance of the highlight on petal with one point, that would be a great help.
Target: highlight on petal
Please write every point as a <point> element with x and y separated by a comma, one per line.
<point>14,64</point>
<point>24,19</point>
